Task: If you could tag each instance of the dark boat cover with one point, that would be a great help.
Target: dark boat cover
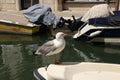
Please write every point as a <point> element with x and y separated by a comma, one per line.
<point>40,13</point>
<point>106,21</point>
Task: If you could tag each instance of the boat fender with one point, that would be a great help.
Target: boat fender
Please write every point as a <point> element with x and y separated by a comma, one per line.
<point>95,33</point>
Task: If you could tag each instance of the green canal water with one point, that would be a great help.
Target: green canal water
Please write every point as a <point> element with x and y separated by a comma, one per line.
<point>18,63</point>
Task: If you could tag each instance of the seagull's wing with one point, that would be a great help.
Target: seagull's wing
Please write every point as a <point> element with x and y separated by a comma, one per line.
<point>46,48</point>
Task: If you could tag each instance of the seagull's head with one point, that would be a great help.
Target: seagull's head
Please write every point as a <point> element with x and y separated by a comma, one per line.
<point>60,35</point>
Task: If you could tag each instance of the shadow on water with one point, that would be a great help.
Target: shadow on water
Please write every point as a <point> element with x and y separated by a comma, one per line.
<point>18,63</point>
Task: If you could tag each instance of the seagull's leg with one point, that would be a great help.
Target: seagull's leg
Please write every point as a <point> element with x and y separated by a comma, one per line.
<point>55,60</point>
<point>46,62</point>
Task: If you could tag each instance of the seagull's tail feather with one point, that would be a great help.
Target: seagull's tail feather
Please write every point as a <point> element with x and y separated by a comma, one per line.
<point>34,53</point>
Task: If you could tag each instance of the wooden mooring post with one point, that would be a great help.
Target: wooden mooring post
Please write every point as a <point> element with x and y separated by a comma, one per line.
<point>117,5</point>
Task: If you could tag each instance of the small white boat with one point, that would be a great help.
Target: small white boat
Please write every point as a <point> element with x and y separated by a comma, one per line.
<point>79,71</point>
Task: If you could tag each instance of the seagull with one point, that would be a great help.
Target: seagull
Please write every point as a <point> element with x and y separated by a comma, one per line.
<point>52,47</point>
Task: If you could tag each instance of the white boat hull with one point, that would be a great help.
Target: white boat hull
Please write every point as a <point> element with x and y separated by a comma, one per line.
<point>79,71</point>
<point>105,34</point>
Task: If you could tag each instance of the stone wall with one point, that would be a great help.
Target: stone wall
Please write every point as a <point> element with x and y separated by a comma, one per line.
<point>51,3</point>
<point>56,5</point>
<point>7,5</point>
<point>15,4</point>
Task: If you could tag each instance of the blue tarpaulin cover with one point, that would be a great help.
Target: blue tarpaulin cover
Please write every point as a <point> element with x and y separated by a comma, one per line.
<point>41,13</point>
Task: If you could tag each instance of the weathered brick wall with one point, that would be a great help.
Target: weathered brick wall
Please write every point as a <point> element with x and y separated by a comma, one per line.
<point>14,5</point>
<point>8,4</point>
<point>52,3</point>
<point>7,1</point>
<point>11,4</point>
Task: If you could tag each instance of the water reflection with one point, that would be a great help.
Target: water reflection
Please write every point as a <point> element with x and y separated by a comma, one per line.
<point>87,57</point>
<point>79,51</point>
<point>12,58</point>
<point>17,61</point>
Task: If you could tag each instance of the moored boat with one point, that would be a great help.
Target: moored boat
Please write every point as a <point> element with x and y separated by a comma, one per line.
<point>16,27</point>
<point>79,71</point>
<point>105,34</point>
<point>103,27</point>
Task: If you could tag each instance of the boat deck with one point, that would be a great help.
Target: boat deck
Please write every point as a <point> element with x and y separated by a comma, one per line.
<point>15,22</point>
<point>15,17</point>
